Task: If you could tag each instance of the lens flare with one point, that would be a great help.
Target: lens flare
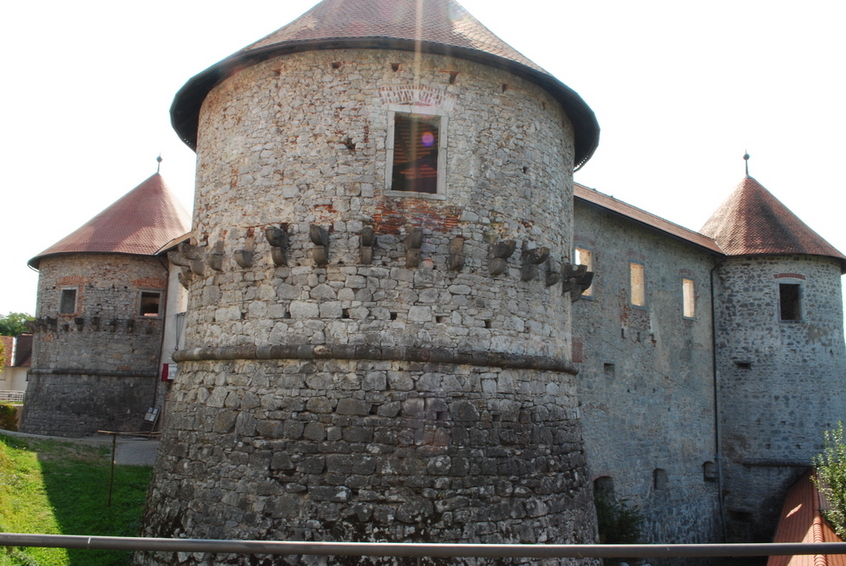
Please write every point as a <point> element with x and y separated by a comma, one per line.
<point>427,139</point>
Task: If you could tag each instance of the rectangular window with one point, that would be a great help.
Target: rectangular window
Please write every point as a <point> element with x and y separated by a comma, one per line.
<point>416,152</point>
<point>67,303</point>
<point>585,257</point>
<point>638,285</point>
<point>149,303</point>
<point>790,302</point>
<point>688,298</point>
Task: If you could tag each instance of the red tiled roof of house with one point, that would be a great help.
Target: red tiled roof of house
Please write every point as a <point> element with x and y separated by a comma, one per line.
<point>441,27</point>
<point>139,223</point>
<point>633,213</point>
<point>801,521</point>
<point>753,222</point>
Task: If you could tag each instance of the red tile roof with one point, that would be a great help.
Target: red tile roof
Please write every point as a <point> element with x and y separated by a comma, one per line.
<point>801,521</point>
<point>619,207</point>
<point>8,349</point>
<point>23,351</point>
<point>440,26</point>
<point>139,223</point>
<point>753,222</point>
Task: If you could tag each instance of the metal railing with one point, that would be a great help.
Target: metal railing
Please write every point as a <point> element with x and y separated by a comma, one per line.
<point>14,396</point>
<point>423,549</point>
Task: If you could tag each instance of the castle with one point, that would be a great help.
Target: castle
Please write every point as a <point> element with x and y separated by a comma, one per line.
<point>406,322</point>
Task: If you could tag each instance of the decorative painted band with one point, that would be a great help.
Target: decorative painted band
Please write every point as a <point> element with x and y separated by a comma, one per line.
<point>97,372</point>
<point>378,353</point>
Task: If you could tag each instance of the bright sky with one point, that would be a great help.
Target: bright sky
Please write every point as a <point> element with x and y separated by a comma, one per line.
<point>680,89</point>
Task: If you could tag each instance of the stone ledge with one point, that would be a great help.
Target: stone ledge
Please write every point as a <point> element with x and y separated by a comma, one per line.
<point>377,353</point>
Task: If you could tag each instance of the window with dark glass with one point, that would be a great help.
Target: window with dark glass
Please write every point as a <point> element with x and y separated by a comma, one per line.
<point>150,303</point>
<point>415,161</point>
<point>67,303</point>
<point>790,301</point>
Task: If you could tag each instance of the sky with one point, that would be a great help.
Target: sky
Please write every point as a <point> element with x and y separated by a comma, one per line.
<point>680,89</point>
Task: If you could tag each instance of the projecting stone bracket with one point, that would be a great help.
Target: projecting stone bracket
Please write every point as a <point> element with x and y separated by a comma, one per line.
<point>244,258</point>
<point>320,238</point>
<point>214,258</point>
<point>413,243</point>
<point>499,254</point>
<point>575,279</point>
<point>456,253</point>
<point>277,237</point>
<point>368,239</point>
<point>530,259</point>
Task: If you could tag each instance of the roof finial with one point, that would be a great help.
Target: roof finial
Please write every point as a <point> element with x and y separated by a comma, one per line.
<point>746,159</point>
<point>159,164</point>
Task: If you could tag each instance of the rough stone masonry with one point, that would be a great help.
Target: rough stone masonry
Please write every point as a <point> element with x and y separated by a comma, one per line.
<point>367,366</point>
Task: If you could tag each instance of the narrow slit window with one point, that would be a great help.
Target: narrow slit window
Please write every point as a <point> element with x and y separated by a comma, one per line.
<point>585,257</point>
<point>688,299</point>
<point>67,303</point>
<point>638,285</point>
<point>790,302</point>
<point>150,302</point>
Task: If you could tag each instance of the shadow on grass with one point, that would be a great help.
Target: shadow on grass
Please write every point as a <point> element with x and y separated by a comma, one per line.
<point>76,481</point>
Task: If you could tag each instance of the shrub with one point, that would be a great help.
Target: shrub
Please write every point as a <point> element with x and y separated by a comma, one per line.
<point>8,416</point>
<point>831,478</point>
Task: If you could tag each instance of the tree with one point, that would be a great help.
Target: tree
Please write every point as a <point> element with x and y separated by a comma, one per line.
<point>2,354</point>
<point>14,323</point>
<point>831,478</point>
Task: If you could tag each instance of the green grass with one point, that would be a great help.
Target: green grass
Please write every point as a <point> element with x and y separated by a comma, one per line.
<point>54,487</point>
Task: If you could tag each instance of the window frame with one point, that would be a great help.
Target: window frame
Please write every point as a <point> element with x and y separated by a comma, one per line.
<point>798,302</point>
<point>62,292</point>
<point>424,112</point>
<point>140,310</point>
<point>577,258</point>
<point>642,304</point>
<point>688,298</point>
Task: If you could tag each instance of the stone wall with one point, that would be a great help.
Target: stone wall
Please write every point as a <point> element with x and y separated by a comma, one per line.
<point>782,383</point>
<point>646,380</point>
<point>95,368</point>
<point>403,392</point>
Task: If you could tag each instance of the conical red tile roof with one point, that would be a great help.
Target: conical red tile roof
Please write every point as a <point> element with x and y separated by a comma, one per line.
<point>139,223</point>
<point>440,27</point>
<point>753,222</point>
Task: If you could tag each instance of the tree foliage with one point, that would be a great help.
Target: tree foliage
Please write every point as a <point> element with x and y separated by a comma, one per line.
<point>831,478</point>
<point>14,323</point>
<point>2,354</point>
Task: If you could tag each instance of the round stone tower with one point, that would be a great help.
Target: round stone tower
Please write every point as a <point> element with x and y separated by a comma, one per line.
<point>378,331</point>
<point>99,318</point>
<point>779,350</point>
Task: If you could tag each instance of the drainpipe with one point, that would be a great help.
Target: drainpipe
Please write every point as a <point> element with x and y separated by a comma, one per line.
<point>717,440</point>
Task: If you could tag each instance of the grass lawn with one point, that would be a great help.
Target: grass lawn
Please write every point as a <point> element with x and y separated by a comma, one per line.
<point>53,487</point>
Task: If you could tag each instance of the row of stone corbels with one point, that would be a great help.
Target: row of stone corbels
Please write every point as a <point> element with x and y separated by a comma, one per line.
<point>575,278</point>
<point>94,323</point>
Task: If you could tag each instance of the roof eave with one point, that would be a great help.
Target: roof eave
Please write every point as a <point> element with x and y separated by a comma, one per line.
<point>185,109</point>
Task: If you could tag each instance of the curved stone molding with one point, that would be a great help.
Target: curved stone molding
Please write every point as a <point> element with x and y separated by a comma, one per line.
<point>377,353</point>
<point>97,372</point>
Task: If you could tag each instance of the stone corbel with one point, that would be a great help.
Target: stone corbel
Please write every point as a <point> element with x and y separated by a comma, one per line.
<point>320,238</point>
<point>552,275</point>
<point>194,256</point>
<point>244,258</point>
<point>413,243</point>
<point>368,239</point>
<point>456,253</point>
<point>185,276</point>
<point>530,259</point>
<point>277,237</point>
<point>575,279</point>
<point>500,252</point>
<point>214,258</point>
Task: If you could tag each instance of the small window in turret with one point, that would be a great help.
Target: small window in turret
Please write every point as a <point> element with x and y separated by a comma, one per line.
<point>149,305</point>
<point>790,302</point>
<point>688,298</point>
<point>416,154</point>
<point>67,303</point>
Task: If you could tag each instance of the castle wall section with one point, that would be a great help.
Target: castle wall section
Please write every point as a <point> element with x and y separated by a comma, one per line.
<point>95,356</point>
<point>404,392</point>
<point>782,382</point>
<point>646,380</point>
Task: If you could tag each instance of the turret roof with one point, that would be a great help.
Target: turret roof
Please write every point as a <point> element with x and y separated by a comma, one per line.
<point>138,223</point>
<point>753,222</point>
<point>440,27</point>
